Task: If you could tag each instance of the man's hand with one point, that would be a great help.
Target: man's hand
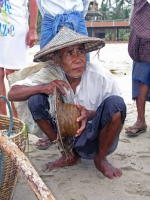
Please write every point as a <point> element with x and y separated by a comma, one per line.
<point>49,87</point>
<point>31,38</point>
<point>86,115</point>
<point>82,119</point>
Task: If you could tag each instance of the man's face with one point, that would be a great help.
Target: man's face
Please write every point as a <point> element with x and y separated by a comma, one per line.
<point>73,60</point>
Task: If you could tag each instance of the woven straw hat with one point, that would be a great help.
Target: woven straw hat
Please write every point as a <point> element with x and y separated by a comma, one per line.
<point>66,116</point>
<point>65,38</point>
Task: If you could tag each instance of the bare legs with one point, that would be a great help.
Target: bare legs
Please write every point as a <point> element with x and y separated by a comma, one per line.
<point>45,126</point>
<point>140,104</point>
<point>72,159</point>
<point>14,111</point>
<point>3,109</point>
<point>106,138</point>
<point>2,92</point>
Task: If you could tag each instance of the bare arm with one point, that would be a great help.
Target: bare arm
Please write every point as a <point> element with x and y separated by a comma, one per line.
<point>32,34</point>
<point>22,92</point>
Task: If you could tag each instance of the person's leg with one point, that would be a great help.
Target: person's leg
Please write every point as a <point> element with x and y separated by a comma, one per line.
<point>46,30</point>
<point>140,104</point>
<point>107,124</point>
<point>106,138</point>
<point>3,109</point>
<point>39,106</point>
<point>82,29</point>
<point>14,111</point>
<point>140,93</point>
<point>102,138</point>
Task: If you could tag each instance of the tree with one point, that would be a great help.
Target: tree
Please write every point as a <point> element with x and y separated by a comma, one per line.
<point>115,9</point>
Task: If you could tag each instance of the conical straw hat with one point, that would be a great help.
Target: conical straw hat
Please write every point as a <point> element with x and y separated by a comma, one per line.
<point>65,38</point>
<point>66,116</point>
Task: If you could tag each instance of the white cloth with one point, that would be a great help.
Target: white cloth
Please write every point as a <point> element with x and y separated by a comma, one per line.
<point>54,7</point>
<point>13,31</point>
<point>97,83</point>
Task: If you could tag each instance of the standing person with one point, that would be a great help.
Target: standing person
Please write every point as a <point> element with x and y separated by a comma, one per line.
<point>68,13</point>
<point>141,69</point>
<point>56,13</point>
<point>141,94</point>
<point>89,86</point>
<point>15,37</point>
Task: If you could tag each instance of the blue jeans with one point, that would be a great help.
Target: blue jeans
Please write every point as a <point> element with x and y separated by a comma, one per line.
<point>51,25</point>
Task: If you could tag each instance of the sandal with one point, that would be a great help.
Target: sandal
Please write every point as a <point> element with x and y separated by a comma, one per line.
<point>42,141</point>
<point>131,132</point>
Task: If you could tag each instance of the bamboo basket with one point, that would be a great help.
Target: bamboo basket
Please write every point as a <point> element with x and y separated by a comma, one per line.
<point>8,170</point>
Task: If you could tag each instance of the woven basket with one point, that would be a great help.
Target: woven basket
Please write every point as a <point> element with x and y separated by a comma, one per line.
<point>8,169</point>
<point>66,116</point>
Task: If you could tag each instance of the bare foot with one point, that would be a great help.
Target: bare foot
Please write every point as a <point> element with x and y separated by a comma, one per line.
<point>63,161</point>
<point>137,124</point>
<point>43,143</point>
<point>106,168</point>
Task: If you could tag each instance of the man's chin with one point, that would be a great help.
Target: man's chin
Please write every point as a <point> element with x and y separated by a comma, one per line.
<point>74,75</point>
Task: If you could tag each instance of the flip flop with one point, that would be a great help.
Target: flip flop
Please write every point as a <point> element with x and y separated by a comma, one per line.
<point>43,147</point>
<point>139,131</point>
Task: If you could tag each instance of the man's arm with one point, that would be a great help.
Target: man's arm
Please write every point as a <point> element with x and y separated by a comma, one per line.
<point>23,92</point>
<point>32,34</point>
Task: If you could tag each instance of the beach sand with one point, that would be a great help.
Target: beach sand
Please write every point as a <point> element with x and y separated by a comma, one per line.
<point>84,181</point>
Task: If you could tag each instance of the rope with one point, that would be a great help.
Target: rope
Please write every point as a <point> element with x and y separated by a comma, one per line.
<point>9,133</point>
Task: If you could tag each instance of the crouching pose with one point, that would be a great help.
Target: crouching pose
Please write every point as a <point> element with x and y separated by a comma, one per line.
<point>90,87</point>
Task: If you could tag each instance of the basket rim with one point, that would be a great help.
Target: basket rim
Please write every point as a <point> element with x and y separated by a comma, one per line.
<point>16,119</point>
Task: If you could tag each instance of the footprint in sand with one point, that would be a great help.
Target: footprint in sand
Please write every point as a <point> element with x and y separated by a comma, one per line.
<point>125,140</point>
<point>120,156</point>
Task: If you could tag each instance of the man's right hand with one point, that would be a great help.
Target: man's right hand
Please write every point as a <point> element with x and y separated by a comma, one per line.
<point>49,87</point>
<point>23,92</point>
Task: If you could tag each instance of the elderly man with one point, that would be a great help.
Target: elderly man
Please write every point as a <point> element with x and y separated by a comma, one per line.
<point>55,14</point>
<point>91,88</point>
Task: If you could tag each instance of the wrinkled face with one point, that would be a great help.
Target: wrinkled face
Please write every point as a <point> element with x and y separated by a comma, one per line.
<point>72,60</point>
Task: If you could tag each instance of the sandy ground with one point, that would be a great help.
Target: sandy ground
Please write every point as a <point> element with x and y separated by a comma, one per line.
<point>84,181</point>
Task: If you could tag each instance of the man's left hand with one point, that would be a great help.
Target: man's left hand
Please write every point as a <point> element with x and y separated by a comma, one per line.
<point>82,119</point>
<point>86,115</point>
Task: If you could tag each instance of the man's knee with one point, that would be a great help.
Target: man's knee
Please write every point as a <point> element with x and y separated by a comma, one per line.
<point>115,101</point>
<point>115,104</point>
<point>37,102</point>
<point>39,106</point>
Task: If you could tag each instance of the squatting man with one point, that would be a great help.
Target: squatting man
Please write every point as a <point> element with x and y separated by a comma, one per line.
<point>92,89</point>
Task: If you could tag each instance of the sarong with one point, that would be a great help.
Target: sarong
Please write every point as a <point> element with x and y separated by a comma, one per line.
<point>140,73</point>
<point>51,25</point>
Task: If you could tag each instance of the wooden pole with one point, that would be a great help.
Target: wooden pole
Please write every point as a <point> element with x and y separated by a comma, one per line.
<point>28,171</point>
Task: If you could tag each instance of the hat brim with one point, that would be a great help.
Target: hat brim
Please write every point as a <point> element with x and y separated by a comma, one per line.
<point>66,38</point>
